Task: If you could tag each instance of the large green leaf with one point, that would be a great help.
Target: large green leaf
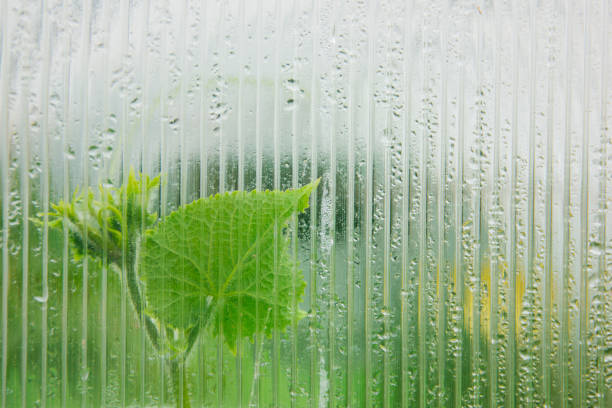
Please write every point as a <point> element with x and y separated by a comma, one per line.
<point>230,249</point>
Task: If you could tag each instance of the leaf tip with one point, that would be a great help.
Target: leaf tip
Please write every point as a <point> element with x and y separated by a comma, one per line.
<point>306,193</point>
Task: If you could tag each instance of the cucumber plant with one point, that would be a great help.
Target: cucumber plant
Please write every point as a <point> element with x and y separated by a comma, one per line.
<point>220,262</point>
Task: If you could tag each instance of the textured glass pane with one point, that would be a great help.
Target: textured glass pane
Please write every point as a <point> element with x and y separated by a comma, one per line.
<point>456,252</point>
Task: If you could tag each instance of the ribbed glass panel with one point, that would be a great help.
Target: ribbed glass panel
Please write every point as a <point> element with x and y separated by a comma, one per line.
<point>457,250</point>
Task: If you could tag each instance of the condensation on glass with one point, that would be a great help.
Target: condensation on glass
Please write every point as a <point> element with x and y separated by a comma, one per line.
<point>458,251</point>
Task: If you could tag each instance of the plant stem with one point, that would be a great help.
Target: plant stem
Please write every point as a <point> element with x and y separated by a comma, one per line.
<point>132,284</point>
<point>151,329</point>
<point>176,365</point>
<point>179,372</point>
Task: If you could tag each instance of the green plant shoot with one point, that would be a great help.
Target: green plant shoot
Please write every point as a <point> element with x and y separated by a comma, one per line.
<point>222,259</point>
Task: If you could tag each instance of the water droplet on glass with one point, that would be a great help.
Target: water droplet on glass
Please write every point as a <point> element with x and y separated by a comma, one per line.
<point>595,248</point>
<point>41,299</point>
<point>69,154</point>
<point>290,104</point>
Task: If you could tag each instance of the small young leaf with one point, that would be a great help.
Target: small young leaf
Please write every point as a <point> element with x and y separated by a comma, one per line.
<point>230,248</point>
<point>101,220</point>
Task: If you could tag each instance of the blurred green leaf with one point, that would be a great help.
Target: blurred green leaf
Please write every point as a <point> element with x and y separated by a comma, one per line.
<point>230,248</point>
